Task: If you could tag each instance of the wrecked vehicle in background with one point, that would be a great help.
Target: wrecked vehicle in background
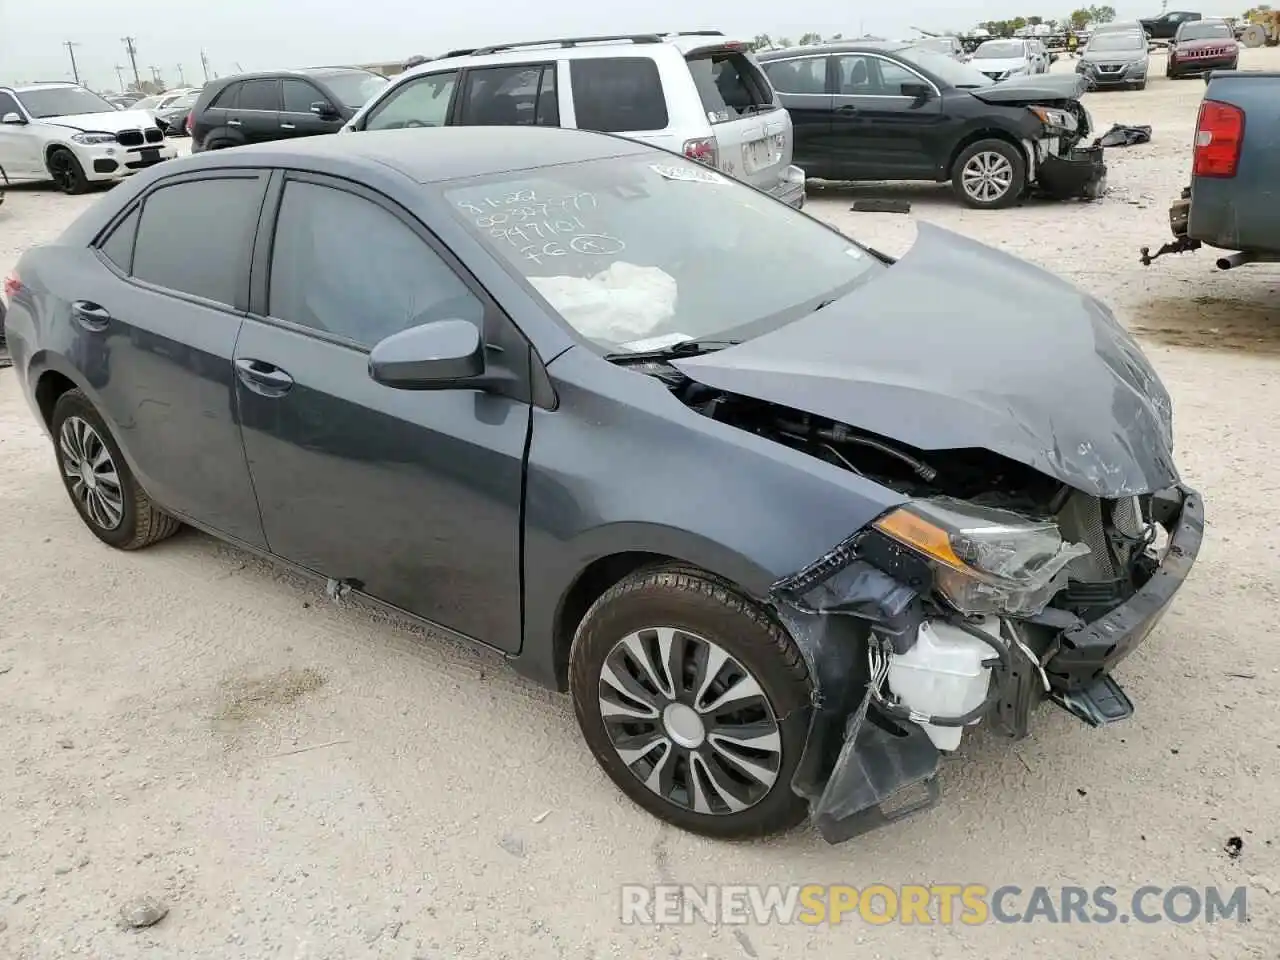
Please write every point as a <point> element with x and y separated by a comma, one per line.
<point>784,515</point>
<point>1230,202</point>
<point>896,111</point>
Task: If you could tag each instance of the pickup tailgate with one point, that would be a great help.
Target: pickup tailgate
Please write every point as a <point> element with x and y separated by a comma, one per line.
<point>1241,211</point>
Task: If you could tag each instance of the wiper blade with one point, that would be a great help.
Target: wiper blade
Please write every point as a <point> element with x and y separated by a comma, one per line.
<point>685,348</point>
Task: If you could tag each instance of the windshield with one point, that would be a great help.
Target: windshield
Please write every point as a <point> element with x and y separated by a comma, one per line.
<point>62,102</point>
<point>947,69</point>
<point>640,252</point>
<point>355,88</point>
<point>1205,31</point>
<point>1109,42</point>
<point>1000,50</point>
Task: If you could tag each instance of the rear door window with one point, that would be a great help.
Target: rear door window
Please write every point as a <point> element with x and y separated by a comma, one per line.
<point>729,84</point>
<point>226,99</point>
<point>520,95</point>
<point>118,247</point>
<point>423,102</point>
<point>260,95</point>
<point>618,95</point>
<point>195,237</point>
<point>804,76</point>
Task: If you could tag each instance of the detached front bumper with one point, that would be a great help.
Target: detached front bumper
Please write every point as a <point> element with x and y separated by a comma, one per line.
<point>1079,172</point>
<point>861,769</point>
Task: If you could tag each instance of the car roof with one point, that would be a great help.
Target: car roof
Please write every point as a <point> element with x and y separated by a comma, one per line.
<point>852,46</point>
<point>562,48</point>
<point>52,84</point>
<point>291,72</point>
<point>432,155</point>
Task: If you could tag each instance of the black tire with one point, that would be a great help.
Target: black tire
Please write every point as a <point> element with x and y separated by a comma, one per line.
<point>1013,188</point>
<point>65,171</point>
<point>706,608</point>
<point>140,522</point>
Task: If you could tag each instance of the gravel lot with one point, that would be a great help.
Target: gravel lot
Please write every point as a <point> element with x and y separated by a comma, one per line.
<point>158,709</point>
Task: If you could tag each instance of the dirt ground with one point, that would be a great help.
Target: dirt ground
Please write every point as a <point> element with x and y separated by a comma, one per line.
<point>294,779</point>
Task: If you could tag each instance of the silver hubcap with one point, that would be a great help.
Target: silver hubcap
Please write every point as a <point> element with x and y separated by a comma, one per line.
<point>91,473</point>
<point>690,721</point>
<point>987,176</point>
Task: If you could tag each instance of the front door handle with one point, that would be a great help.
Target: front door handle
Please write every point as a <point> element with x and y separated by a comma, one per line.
<point>233,123</point>
<point>286,126</point>
<point>90,316</point>
<point>847,108</point>
<point>262,377</point>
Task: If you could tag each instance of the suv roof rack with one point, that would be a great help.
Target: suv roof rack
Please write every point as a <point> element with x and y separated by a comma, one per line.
<point>575,41</point>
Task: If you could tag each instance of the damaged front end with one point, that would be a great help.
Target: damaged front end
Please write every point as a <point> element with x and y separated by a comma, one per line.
<point>1063,167</point>
<point>944,614</point>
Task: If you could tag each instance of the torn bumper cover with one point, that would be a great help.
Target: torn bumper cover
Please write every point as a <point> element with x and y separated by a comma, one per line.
<point>863,768</point>
<point>1080,172</point>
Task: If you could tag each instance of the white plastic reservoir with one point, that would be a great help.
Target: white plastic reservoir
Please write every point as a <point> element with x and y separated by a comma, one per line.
<point>943,676</point>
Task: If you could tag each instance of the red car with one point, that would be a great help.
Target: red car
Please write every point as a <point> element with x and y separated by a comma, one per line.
<point>1201,46</point>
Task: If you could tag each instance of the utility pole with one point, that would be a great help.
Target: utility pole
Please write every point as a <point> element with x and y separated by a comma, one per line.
<point>133,58</point>
<point>204,65</point>
<point>71,50</point>
<point>120,76</point>
<point>182,77</point>
<point>156,77</point>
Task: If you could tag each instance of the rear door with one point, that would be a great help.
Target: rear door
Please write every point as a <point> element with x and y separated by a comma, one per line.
<point>801,85</point>
<point>257,110</point>
<point>20,143</point>
<point>753,132</point>
<point>296,116</point>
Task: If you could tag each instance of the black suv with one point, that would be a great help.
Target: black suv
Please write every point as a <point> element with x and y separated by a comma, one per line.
<point>256,107</point>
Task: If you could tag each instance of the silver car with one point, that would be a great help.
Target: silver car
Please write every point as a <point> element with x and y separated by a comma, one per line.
<point>700,94</point>
<point>1117,58</point>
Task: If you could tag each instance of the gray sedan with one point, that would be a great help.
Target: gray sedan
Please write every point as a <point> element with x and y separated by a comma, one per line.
<point>784,516</point>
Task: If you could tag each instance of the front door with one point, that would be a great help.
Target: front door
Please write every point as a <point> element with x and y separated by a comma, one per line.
<point>297,119</point>
<point>412,496</point>
<point>878,131</point>
<point>20,144</point>
<point>801,85</point>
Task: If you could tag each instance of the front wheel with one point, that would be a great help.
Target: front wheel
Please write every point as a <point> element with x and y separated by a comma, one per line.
<point>102,487</point>
<point>694,701</point>
<point>990,174</point>
<point>65,171</point>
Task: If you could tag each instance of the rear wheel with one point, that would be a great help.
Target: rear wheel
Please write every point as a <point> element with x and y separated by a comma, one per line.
<point>103,489</point>
<point>65,171</point>
<point>990,174</point>
<point>693,700</point>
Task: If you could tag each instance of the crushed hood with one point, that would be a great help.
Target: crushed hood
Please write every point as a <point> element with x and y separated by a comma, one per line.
<point>112,122</point>
<point>960,346</point>
<point>1037,89</point>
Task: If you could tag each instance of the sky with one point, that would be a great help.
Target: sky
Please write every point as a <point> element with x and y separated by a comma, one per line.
<point>267,34</point>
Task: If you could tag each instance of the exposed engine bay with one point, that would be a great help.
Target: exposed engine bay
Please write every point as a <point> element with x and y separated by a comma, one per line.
<point>994,588</point>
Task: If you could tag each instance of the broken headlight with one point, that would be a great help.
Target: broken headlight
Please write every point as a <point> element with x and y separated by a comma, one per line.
<point>985,560</point>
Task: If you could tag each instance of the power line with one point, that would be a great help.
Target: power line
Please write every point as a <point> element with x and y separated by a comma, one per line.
<point>133,58</point>
<point>71,50</point>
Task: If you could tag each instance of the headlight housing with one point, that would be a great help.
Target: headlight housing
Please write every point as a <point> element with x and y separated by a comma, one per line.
<point>93,139</point>
<point>1051,117</point>
<point>985,560</point>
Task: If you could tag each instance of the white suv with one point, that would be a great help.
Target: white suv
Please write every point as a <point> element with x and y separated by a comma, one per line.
<point>65,133</point>
<point>701,94</point>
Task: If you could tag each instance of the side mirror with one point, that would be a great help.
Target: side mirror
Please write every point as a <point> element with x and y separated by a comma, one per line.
<point>324,110</point>
<point>919,92</point>
<point>432,356</point>
<point>13,118</point>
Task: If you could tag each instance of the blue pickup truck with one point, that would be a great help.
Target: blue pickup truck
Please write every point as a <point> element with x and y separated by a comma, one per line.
<point>1233,203</point>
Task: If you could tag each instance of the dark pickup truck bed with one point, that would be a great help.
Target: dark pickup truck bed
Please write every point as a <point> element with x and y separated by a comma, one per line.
<point>1233,202</point>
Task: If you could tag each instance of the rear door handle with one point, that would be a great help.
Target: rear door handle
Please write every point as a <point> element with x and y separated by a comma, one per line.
<point>90,316</point>
<point>262,377</point>
<point>233,123</point>
<point>847,108</point>
<point>286,126</point>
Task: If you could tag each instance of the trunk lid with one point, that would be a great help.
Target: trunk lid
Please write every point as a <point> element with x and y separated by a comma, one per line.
<point>962,346</point>
<point>751,129</point>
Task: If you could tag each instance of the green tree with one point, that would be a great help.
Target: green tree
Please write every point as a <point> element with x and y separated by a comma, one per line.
<point>762,41</point>
<point>785,42</point>
<point>1102,14</point>
<point>810,38</point>
<point>1079,19</point>
<point>1017,23</point>
<point>1034,21</point>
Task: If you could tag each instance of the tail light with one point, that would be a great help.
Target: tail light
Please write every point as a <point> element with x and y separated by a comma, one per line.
<point>191,121</point>
<point>11,287</point>
<point>1219,137</point>
<point>704,150</point>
